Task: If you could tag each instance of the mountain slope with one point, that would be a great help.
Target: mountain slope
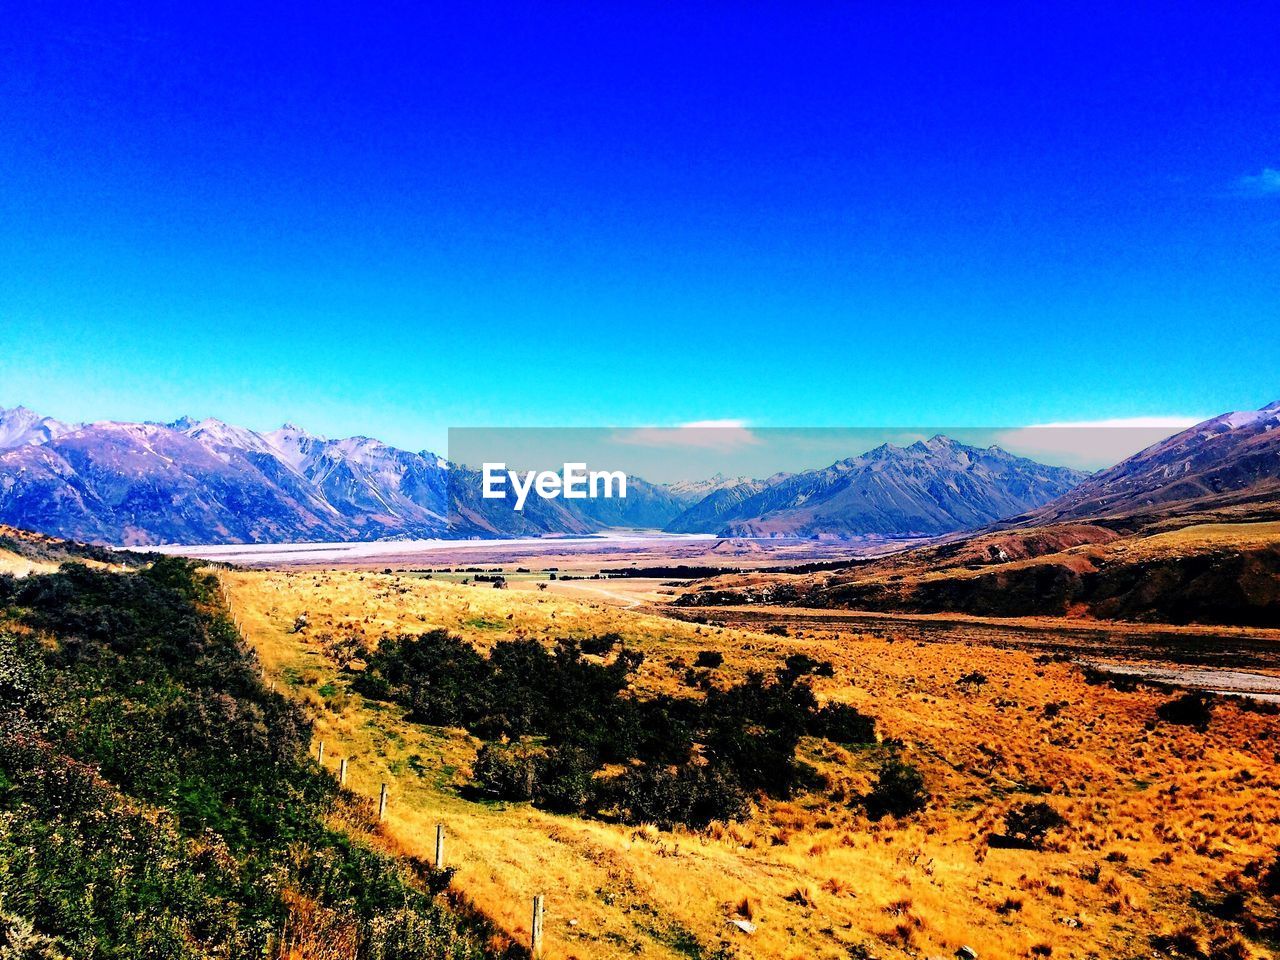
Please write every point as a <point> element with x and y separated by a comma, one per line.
<point>719,505</point>
<point>20,427</point>
<point>134,484</point>
<point>692,491</point>
<point>1231,461</point>
<point>929,488</point>
<point>1185,531</point>
<point>208,481</point>
<point>211,482</point>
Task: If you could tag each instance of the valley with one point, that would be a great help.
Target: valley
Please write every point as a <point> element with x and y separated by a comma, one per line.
<point>978,732</point>
<point>1157,814</point>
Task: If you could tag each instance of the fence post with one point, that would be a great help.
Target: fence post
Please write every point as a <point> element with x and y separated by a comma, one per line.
<point>439,846</point>
<point>342,772</point>
<point>382,804</point>
<point>320,754</point>
<point>537,925</point>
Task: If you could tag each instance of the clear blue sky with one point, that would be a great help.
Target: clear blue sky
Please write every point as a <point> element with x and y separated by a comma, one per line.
<point>392,219</point>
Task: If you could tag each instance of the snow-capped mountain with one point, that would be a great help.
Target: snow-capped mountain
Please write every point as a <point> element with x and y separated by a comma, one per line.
<point>20,427</point>
<point>211,482</point>
<point>207,481</point>
<point>930,488</point>
<point>691,491</point>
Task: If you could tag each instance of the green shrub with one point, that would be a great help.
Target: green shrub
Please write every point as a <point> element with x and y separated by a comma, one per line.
<point>693,795</point>
<point>600,645</point>
<point>506,772</point>
<point>586,718</point>
<point>841,723</point>
<point>899,791</point>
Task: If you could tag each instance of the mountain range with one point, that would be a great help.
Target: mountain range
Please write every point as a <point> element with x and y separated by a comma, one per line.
<point>206,481</point>
<point>1184,531</point>
<point>929,488</point>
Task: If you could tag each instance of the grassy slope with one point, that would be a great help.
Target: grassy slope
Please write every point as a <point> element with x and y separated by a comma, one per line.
<point>156,800</point>
<point>1155,814</point>
<point>23,552</point>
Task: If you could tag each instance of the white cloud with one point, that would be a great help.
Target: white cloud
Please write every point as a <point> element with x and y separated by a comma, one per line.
<point>1264,184</point>
<point>1092,444</point>
<point>723,435</point>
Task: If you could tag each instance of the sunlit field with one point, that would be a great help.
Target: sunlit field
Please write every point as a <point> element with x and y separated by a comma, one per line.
<point>1164,823</point>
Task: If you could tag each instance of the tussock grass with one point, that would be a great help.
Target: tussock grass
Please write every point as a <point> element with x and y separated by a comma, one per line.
<point>1153,811</point>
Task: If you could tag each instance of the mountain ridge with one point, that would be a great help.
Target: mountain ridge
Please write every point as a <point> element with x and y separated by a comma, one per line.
<point>928,488</point>
<point>1231,461</point>
<point>207,481</point>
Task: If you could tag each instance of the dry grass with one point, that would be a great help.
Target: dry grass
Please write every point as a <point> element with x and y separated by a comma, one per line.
<point>21,566</point>
<point>1153,813</point>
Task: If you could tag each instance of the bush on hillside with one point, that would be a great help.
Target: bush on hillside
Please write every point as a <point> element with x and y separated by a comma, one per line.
<point>899,791</point>
<point>157,801</point>
<point>1028,825</point>
<point>1189,710</point>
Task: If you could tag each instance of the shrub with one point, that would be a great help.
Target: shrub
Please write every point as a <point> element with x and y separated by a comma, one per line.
<point>841,723</point>
<point>1189,710</point>
<point>1269,883</point>
<point>753,729</point>
<point>799,665</point>
<point>506,772</point>
<point>1027,825</point>
<point>589,719</point>
<point>436,675</point>
<point>693,795</point>
<point>601,644</point>
<point>710,659</point>
<point>899,791</point>
<point>564,780</point>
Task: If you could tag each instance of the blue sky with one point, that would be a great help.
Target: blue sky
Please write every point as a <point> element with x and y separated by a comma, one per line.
<point>399,220</point>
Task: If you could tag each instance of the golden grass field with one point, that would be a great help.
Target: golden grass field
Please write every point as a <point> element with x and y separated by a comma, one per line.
<point>1154,814</point>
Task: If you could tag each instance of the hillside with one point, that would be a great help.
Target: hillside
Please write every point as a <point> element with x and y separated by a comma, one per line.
<point>1212,574</point>
<point>158,801</point>
<point>1228,466</point>
<point>1182,532</point>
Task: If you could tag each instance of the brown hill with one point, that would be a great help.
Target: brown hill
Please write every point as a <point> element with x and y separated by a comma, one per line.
<point>1216,573</point>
